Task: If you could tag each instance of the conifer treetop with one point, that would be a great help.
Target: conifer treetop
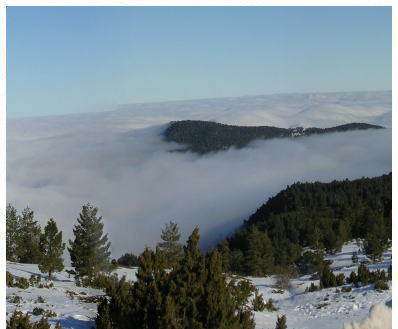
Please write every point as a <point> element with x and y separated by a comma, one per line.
<point>89,250</point>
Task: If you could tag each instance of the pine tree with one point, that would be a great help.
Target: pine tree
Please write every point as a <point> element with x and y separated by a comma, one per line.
<point>122,310</point>
<point>148,299</point>
<point>281,322</point>
<point>246,319</point>
<point>103,320</point>
<point>170,246</point>
<point>327,278</point>
<point>169,318</point>
<point>29,236</point>
<point>259,258</point>
<point>51,248</point>
<point>128,259</point>
<point>329,238</point>
<point>89,251</point>
<point>189,279</point>
<point>376,240</point>
<point>193,295</point>
<point>12,233</point>
<point>219,302</point>
<point>241,292</point>
<point>315,237</point>
<point>226,256</point>
<point>344,234</point>
<point>373,247</point>
<point>258,302</point>
<point>18,320</point>
<point>363,274</point>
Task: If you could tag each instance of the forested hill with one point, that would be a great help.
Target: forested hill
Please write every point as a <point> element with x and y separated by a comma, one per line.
<point>332,197</point>
<point>318,215</point>
<point>206,136</point>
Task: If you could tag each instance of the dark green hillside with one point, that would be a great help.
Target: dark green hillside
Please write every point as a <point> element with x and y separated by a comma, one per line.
<point>206,136</point>
<point>341,128</point>
<point>319,215</point>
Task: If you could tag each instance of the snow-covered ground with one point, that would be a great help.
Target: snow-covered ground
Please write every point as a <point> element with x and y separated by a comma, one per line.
<point>71,313</point>
<point>326,309</point>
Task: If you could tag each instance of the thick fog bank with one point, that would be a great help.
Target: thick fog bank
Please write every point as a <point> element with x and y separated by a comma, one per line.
<point>55,165</point>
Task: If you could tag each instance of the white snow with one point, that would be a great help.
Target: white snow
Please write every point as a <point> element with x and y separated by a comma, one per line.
<point>326,309</point>
<point>71,313</point>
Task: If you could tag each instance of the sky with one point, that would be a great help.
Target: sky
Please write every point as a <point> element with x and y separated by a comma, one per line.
<point>63,60</point>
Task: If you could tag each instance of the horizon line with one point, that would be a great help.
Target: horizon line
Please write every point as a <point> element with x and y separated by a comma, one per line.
<point>119,107</point>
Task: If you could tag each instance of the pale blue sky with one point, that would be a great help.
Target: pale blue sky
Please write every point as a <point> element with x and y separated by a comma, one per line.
<point>64,60</point>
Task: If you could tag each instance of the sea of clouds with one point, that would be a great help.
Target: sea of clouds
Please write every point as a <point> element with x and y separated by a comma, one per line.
<point>118,161</point>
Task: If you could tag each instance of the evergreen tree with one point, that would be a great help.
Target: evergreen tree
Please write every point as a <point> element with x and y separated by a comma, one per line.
<point>189,278</point>
<point>258,302</point>
<point>122,310</point>
<point>353,278</point>
<point>344,234</point>
<point>311,262</point>
<point>376,240</point>
<point>241,292</point>
<point>170,245</point>
<point>51,248</point>
<point>327,278</point>
<point>281,322</point>
<point>193,295</point>
<point>363,274</point>
<point>19,320</point>
<point>89,251</point>
<point>236,261</point>
<point>29,236</point>
<point>226,256</point>
<point>329,238</point>
<point>103,320</point>
<point>246,319</point>
<point>316,238</point>
<point>12,233</point>
<point>259,258</point>
<point>148,298</point>
<point>128,259</point>
<point>219,303</point>
<point>169,316</point>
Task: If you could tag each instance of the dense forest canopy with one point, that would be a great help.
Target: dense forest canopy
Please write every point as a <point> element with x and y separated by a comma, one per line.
<point>318,215</point>
<point>206,136</point>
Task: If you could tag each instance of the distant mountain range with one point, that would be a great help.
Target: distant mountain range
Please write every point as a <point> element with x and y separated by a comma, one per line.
<point>206,136</point>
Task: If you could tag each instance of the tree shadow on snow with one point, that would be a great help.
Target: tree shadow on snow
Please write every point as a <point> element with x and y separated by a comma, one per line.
<point>71,322</point>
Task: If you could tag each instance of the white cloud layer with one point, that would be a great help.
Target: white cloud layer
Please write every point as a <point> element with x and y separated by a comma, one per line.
<point>118,161</point>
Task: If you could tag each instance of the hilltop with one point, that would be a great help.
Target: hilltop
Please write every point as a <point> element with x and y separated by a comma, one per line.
<point>207,136</point>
